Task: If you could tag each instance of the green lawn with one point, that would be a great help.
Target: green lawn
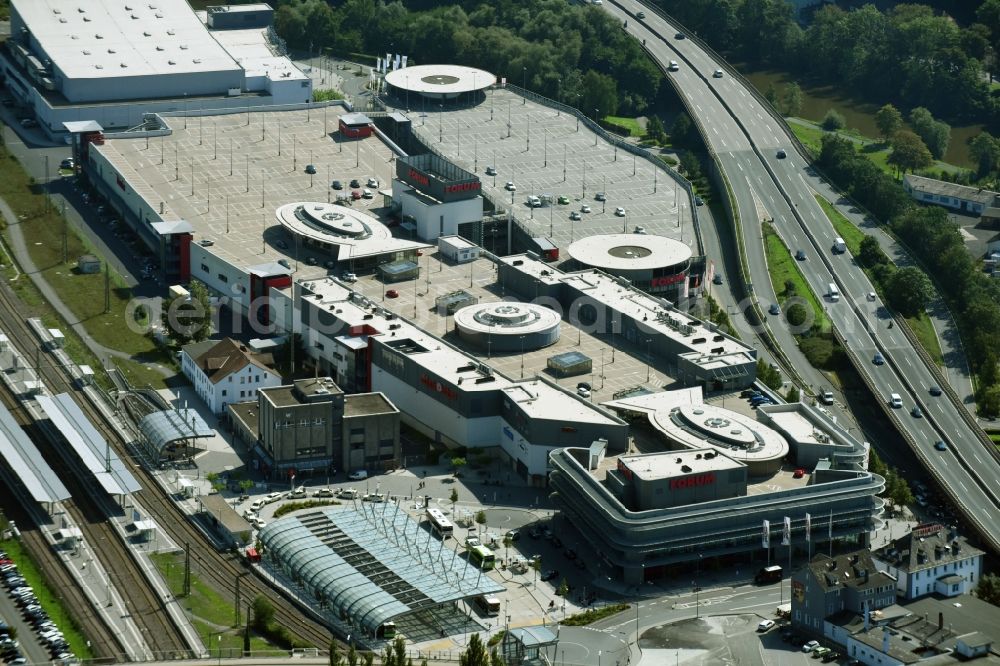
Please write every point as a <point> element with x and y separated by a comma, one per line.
<point>995,436</point>
<point>851,234</point>
<point>924,330</point>
<point>211,615</point>
<point>783,268</point>
<point>592,615</point>
<point>52,603</point>
<point>630,124</point>
<point>43,229</point>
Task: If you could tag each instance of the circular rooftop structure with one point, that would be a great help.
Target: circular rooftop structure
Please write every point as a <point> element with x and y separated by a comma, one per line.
<point>440,81</point>
<point>338,231</point>
<point>506,326</point>
<point>735,435</point>
<point>625,253</point>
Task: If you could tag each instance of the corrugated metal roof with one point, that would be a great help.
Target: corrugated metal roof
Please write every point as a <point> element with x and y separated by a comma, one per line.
<point>162,428</point>
<point>102,461</point>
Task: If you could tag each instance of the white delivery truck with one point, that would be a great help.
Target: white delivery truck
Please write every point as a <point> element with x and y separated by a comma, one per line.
<point>839,246</point>
<point>833,292</point>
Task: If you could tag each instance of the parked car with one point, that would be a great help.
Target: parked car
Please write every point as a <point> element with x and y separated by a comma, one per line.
<point>510,186</point>
<point>798,473</point>
<point>810,646</point>
<point>600,196</point>
<point>323,492</point>
<point>620,212</point>
<point>392,293</point>
<point>310,169</point>
<point>67,163</point>
<point>358,475</point>
<point>575,216</point>
<point>491,171</point>
<point>337,185</point>
<point>765,625</point>
<point>373,182</point>
<point>355,182</point>
<point>551,574</point>
<point>271,498</point>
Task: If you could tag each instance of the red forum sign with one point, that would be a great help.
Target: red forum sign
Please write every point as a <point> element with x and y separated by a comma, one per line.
<point>666,280</point>
<point>695,481</point>
<point>464,187</point>
<point>419,177</point>
<point>438,387</point>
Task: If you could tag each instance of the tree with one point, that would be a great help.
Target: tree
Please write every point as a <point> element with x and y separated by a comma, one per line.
<point>909,291</point>
<point>792,395</point>
<point>655,129</point>
<point>495,658</point>
<point>454,499</point>
<point>833,121</point>
<point>793,99</point>
<point>367,658</point>
<point>985,150</point>
<point>870,252</point>
<point>507,543</point>
<point>476,654</point>
<point>563,588</point>
<point>988,588</point>
<point>480,517</point>
<point>935,134</point>
<point>770,376</point>
<point>691,166</point>
<point>600,91</point>
<point>336,658</point>
<point>263,613</point>
<point>889,120</point>
<point>683,133</point>
<point>395,653</point>
<point>352,656</point>
<point>458,462</point>
<point>188,318</point>
<point>216,481</point>
<point>908,152</point>
<point>790,288</point>
<point>796,314</point>
<point>988,401</point>
<point>771,95</point>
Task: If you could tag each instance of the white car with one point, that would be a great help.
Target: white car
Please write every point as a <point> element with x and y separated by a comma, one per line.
<point>367,194</point>
<point>673,67</point>
<point>298,493</point>
<point>258,523</point>
<point>491,171</point>
<point>347,493</point>
<point>249,515</point>
<point>584,208</point>
<point>620,212</point>
<point>510,186</point>
<point>358,475</point>
<point>575,216</point>
<point>765,625</point>
<point>270,498</point>
<point>810,646</point>
<point>373,182</point>
<point>257,506</point>
<point>717,74</point>
<point>323,492</point>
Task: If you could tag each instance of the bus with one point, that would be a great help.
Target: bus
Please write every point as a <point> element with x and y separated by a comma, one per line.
<point>482,557</point>
<point>441,525</point>
<point>771,574</point>
<point>387,631</point>
<point>488,606</point>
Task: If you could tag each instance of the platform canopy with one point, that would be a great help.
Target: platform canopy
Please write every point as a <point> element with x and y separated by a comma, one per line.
<point>27,463</point>
<point>90,446</point>
<point>163,428</point>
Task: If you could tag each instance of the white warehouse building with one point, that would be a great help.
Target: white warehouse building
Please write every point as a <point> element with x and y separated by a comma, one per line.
<point>113,61</point>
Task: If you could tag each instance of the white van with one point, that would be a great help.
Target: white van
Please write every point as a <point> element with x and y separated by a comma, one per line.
<point>839,246</point>
<point>833,292</point>
<point>895,401</point>
<point>673,67</point>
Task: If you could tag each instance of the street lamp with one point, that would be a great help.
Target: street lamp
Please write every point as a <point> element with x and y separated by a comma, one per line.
<point>524,85</point>
<point>649,359</point>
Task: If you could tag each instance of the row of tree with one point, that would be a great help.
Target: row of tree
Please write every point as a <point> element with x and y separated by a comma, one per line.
<point>573,53</point>
<point>909,54</point>
<point>476,654</point>
<point>974,298</point>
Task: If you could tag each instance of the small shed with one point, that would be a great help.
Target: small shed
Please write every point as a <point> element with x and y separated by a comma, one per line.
<point>88,264</point>
<point>68,537</point>
<point>86,377</point>
<point>529,644</point>
<point>452,302</point>
<point>224,519</point>
<point>56,338</point>
<point>185,487</point>
<point>399,271</point>
<point>458,249</point>
<point>143,530</point>
<point>569,364</point>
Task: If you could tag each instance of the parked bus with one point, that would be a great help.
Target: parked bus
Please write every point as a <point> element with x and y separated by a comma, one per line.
<point>771,574</point>
<point>488,606</point>
<point>482,557</point>
<point>387,631</point>
<point>441,525</point>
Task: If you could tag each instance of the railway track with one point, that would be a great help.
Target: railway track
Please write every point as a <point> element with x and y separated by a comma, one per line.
<point>219,570</point>
<point>143,602</point>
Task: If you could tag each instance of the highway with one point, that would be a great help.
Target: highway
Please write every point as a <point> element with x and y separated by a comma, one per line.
<point>746,138</point>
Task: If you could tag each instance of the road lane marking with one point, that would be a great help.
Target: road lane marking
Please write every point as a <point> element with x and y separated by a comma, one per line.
<point>766,603</point>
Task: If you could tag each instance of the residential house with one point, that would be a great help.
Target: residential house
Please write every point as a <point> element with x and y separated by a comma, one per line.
<point>226,371</point>
<point>931,559</point>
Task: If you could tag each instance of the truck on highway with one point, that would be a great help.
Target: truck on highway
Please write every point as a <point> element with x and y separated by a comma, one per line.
<point>839,246</point>
<point>832,292</point>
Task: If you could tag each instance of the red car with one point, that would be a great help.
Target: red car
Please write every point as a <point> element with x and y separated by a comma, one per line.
<point>355,194</point>
<point>799,473</point>
<point>392,293</point>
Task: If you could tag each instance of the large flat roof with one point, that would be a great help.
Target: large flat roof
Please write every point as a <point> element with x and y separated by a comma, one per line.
<point>240,218</point>
<point>629,252</point>
<point>653,466</point>
<point>100,39</point>
<point>251,50</point>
